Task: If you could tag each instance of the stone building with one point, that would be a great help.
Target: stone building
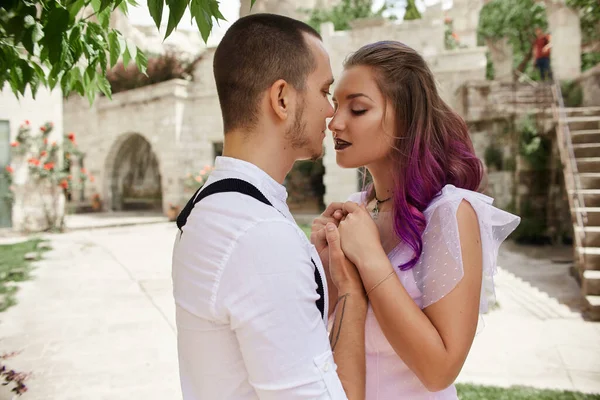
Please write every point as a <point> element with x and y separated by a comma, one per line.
<point>179,121</point>
<point>142,145</point>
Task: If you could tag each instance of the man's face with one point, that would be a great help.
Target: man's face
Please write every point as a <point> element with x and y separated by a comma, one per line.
<point>308,129</point>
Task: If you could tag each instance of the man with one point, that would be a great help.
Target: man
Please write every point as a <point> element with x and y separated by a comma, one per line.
<point>250,291</point>
<point>541,53</point>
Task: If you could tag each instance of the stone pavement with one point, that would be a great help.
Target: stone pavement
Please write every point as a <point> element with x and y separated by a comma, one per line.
<point>97,322</point>
<point>112,219</point>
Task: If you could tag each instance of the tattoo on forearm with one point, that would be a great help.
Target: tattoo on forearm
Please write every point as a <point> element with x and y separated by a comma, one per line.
<point>335,334</point>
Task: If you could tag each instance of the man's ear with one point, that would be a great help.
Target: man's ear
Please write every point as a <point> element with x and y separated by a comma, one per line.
<point>280,97</point>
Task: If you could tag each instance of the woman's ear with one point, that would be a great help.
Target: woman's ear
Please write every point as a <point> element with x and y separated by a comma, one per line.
<point>280,96</point>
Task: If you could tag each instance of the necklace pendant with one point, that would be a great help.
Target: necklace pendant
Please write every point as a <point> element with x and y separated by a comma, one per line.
<point>375,212</point>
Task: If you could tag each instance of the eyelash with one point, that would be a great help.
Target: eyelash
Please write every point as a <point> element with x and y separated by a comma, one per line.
<point>358,112</point>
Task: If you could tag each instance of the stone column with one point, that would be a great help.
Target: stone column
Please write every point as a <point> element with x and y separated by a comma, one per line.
<point>566,40</point>
<point>339,182</point>
<point>501,53</point>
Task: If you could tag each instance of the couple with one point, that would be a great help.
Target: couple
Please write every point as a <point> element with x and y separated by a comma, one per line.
<point>399,272</point>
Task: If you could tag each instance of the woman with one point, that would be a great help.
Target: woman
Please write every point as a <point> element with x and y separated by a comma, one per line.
<point>423,240</point>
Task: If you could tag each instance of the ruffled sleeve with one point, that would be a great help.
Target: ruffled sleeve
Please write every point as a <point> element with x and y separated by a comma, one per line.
<point>358,198</point>
<point>440,266</point>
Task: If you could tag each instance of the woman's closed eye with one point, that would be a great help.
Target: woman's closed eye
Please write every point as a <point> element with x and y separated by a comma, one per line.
<point>358,112</point>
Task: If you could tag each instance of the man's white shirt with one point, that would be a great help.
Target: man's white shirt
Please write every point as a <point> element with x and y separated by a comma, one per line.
<point>247,324</point>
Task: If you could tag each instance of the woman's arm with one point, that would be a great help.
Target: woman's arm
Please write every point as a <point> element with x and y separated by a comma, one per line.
<point>433,342</point>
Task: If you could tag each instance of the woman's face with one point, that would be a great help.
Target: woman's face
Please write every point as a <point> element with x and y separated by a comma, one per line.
<point>363,124</point>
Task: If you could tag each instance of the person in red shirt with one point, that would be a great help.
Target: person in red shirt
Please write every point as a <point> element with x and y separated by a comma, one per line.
<point>541,53</point>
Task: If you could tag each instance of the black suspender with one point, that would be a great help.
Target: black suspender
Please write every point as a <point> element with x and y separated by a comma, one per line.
<point>243,187</point>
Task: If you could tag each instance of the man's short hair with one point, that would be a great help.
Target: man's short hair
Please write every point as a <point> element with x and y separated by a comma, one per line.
<point>256,51</point>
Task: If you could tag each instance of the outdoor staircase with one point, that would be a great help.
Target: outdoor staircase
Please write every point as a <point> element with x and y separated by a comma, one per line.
<point>578,137</point>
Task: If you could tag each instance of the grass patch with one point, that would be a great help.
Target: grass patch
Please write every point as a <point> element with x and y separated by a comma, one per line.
<point>306,229</point>
<point>476,392</point>
<point>14,268</point>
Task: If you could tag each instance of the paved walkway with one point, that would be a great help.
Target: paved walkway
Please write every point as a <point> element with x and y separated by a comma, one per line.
<point>97,322</point>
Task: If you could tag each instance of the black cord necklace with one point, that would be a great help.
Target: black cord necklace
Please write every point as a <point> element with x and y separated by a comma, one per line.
<point>377,203</point>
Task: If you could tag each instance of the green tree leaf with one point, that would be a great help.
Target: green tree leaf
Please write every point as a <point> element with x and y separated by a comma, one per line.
<point>126,56</point>
<point>115,47</point>
<point>75,7</point>
<point>141,61</point>
<point>202,18</point>
<point>176,11</point>
<point>104,86</point>
<point>57,24</point>
<point>156,11</point>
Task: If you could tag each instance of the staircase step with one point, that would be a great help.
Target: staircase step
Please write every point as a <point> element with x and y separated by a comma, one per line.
<point>589,180</point>
<point>592,307</point>
<point>588,164</point>
<point>582,110</point>
<point>591,282</point>
<point>592,235</point>
<point>591,256</point>
<point>590,250</point>
<point>591,197</point>
<point>583,150</point>
<point>585,135</point>
<point>592,118</point>
<point>592,213</point>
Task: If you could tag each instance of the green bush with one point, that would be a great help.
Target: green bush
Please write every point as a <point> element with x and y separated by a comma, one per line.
<point>534,148</point>
<point>493,157</point>
<point>572,93</point>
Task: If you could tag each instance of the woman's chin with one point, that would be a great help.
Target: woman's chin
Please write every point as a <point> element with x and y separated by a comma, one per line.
<point>346,162</point>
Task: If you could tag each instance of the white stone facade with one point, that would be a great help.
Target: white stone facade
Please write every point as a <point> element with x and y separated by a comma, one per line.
<point>181,120</point>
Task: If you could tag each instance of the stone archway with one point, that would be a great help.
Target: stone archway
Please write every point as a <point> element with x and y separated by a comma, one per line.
<point>134,179</point>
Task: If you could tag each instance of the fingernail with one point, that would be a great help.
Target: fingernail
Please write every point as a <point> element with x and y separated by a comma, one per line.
<point>330,227</point>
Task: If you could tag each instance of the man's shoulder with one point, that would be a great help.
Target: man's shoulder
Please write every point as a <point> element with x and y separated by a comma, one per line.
<point>269,232</point>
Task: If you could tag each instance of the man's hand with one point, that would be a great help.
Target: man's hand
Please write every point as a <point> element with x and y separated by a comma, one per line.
<point>333,214</point>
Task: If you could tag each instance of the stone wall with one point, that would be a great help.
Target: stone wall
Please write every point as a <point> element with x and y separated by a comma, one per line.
<point>493,111</point>
<point>452,69</point>
<point>589,82</point>
<point>156,113</point>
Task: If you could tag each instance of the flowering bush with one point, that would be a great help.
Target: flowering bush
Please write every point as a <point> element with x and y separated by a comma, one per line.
<point>49,168</point>
<point>195,180</point>
<point>451,39</point>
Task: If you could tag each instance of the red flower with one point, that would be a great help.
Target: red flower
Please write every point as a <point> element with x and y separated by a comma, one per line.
<point>45,141</point>
<point>26,122</point>
<point>72,137</point>
<point>43,153</point>
<point>14,144</point>
<point>49,166</point>
<point>83,171</point>
<point>64,184</point>
<point>92,179</point>
<point>9,169</point>
<point>34,161</point>
<point>70,177</point>
<point>53,144</point>
<point>43,129</point>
